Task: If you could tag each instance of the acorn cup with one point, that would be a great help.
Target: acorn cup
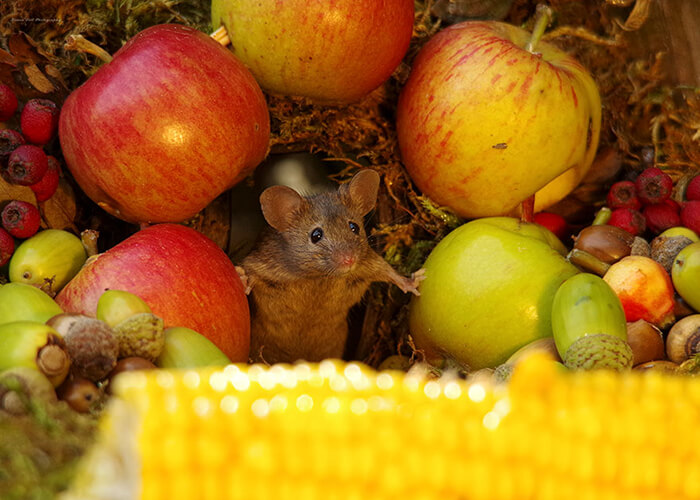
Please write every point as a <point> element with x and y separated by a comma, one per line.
<point>49,260</point>
<point>22,302</point>
<point>34,345</point>
<point>589,325</point>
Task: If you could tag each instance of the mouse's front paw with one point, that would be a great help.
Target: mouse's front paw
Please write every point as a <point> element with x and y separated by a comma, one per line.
<point>244,279</point>
<point>410,284</point>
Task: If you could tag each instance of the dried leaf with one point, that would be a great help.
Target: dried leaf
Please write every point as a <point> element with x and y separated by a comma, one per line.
<point>38,79</point>
<point>6,57</point>
<point>55,74</point>
<point>25,49</point>
<point>15,192</point>
<point>60,210</point>
<point>638,16</point>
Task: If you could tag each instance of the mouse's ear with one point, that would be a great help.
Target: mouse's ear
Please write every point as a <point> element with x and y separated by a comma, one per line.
<point>280,206</point>
<point>361,192</point>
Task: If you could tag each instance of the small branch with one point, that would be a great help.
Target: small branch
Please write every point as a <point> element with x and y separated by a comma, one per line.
<point>80,44</point>
<point>542,20</point>
<point>527,209</point>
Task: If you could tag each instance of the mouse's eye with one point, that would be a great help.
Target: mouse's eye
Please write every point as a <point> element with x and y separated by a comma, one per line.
<point>316,235</point>
<point>354,227</point>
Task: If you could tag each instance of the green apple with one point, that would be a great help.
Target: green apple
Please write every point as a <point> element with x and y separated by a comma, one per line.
<point>22,302</point>
<point>488,291</point>
<point>685,274</point>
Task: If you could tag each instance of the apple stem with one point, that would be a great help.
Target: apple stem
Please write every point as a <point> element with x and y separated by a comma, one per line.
<point>527,209</point>
<point>81,44</point>
<point>221,36</point>
<point>543,16</point>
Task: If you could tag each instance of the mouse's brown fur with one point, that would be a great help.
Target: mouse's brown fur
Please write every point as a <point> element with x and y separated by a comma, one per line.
<point>302,283</point>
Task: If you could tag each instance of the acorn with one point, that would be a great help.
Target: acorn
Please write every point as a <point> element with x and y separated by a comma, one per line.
<point>34,345</point>
<point>22,302</point>
<point>664,249</point>
<point>130,364</point>
<point>19,385</point>
<point>186,348</point>
<point>646,342</point>
<point>115,306</point>
<point>607,243</point>
<point>49,260</point>
<point>683,339</point>
<point>80,393</point>
<point>91,344</point>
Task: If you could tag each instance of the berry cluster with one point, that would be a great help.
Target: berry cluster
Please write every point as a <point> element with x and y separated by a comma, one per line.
<point>24,162</point>
<point>646,204</point>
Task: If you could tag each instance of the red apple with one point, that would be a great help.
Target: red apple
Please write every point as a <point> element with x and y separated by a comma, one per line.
<point>335,51</point>
<point>165,127</point>
<point>181,274</point>
<point>483,123</point>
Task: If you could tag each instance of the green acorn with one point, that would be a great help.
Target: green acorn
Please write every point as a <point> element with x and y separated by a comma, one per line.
<point>186,348</point>
<point>49,260</point>
<point>115,306</point>
<point>585,306</point>
<point>22,302</point>
<point>34,345</point>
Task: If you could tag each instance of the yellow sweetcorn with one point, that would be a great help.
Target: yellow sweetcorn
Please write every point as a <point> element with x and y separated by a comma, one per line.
<point>343,431</point>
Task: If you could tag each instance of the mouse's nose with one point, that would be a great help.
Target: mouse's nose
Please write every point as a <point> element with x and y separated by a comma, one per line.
<point>346,260</point>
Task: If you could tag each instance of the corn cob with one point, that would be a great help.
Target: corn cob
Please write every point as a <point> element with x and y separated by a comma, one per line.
<point>334,430</point>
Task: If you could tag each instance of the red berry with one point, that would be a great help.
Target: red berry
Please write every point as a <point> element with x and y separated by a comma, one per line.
<point>623,194</point>
<point>628,219</point>
<point>8,102</point>
<point>690,215</point>
<point>27,165</point>
<point>653,186</point>
<point>692,190</point>
<point>7,246</point>
<point>9,141</point>
<point>673,204</point>
<point>661,216</point>
<point>39,120</point>
<point>21,219</point>
<point>554,222</point>
<point>46,187</point>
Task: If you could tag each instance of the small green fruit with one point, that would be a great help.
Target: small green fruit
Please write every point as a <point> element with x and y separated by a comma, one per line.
<point>21,385</point>
<point>22,302</point>
<point>115,306</point>
<point>185,348</point>
<point>49,259</point>
<point>685,274</point>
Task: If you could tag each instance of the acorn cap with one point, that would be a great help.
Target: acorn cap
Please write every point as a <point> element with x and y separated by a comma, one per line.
<point>599,351</point>
<point>141,335</point>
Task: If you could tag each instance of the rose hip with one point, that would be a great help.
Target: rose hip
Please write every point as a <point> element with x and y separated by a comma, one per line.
<point>46,187</point>
<point>26,165</point>
<point>9,141</point>
<point>628,219</point>
<point>21,219</point>
<point>623,194</point>
<point>661,216</point>
<point>653,186</point>
<point>8,102</point>
<point>690,215</point>
<point>7,246</point>
<point>692,190</point>
<point>554,222</point>
<point>39,120</point>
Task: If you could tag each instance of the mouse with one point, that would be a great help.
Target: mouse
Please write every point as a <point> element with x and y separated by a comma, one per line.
<point>309,266</point>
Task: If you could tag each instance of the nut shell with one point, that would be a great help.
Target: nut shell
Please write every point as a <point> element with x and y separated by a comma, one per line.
<point>607,243</point>
<point>646,342</point>
<point>683,339</point>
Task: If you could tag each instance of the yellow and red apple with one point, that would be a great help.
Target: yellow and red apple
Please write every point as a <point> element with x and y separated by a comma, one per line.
<point>335,51</point>
<point>165,127</point>
<point>483,123</point>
